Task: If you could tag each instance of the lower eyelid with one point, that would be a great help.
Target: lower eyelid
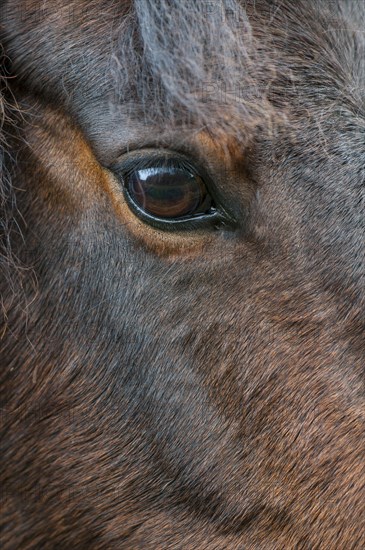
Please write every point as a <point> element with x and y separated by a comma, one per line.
<point>171,245</point>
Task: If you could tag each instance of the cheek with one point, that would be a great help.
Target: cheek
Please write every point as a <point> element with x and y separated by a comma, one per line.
<point>187,244</point>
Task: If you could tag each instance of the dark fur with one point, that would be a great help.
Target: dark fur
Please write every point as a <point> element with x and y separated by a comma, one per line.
<point>157,393</point>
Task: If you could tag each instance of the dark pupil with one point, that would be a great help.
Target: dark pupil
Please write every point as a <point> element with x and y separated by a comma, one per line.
<point>168,192</point>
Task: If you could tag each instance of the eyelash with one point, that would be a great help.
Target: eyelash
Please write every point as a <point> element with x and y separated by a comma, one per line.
<point>131,165</point>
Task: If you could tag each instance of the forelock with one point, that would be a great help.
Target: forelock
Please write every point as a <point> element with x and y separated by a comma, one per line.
<point>192,63</point>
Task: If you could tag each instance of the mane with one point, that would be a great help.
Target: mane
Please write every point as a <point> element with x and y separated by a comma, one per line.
<point>5,185</point>
<point>9,265</point>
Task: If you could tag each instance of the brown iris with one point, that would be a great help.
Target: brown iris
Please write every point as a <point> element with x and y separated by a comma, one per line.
<point>171,192</point>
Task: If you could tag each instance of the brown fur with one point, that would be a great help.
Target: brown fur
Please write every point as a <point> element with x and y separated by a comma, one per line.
<point>184,390</point>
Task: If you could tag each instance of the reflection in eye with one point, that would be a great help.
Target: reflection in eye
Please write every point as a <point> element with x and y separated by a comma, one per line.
<point>169,191</point>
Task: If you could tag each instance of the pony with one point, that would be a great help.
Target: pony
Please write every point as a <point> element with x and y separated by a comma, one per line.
<point>182,274</point>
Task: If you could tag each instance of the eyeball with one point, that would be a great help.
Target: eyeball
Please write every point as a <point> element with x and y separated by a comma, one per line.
<point>168,192</point>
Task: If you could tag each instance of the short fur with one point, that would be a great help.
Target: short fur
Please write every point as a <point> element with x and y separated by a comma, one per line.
<point>202,390</point>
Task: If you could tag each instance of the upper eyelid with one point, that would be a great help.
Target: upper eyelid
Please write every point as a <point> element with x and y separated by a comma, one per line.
<point>130,159</point>
<point>164,162</point>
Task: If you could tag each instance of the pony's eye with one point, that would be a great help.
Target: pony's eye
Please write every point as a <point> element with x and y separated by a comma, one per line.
<point>168,192</point>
